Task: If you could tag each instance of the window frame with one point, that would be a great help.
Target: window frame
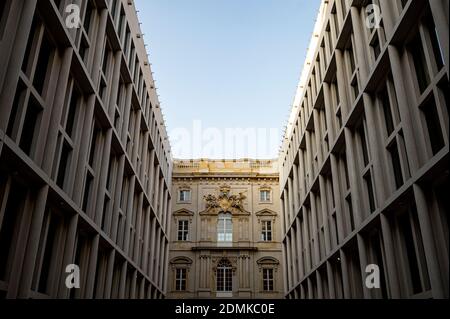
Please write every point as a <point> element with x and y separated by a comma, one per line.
<point>268,196</point>
<point>268,282</point>
<point>180,280</point>
<point>184,191</point>
<point>226,219</point>
<point>184,231</point>
<point>265,231</point>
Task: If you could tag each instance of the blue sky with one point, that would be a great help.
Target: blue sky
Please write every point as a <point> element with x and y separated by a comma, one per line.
<point>224,64</point>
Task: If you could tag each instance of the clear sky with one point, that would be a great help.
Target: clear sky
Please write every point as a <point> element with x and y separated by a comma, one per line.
<point>225,65</point>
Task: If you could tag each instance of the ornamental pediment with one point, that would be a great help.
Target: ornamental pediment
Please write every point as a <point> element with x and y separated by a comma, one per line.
<point>183,212</point>
<point>266,212</point>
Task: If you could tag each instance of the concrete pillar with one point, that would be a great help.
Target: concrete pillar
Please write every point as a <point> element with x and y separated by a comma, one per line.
<point>306,238</point>
<point>331,281</point>
<point>409,125</point>
<point>289,262</point>
<point>325,211</point>
<point>285,267</point>
<point>391,269</point>
<point>315,227</point>
<point>291,202</point>
<point>337,190</point>
<point>295,194</point>
<point>104,168</point>
<point>355,185</point>
<point>92,267</point>
<point>363,261</point>
<point>55,119</point>
<point>431,251</point>
<point>109,274</point>
<point>29,260</point>
<point>128,215</point>
<point>346,277</point>
<point>300,250</point>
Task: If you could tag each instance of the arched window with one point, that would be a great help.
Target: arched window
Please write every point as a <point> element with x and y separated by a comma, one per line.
<point>225,228</point>
<point>224,276</point>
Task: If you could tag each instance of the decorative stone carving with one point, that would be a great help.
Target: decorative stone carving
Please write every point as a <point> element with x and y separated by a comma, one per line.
<point>225,202</point>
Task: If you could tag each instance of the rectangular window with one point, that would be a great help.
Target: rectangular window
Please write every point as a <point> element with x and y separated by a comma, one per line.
<point>64,164</point>
<point>183,230</point>
<point>88,17</point>
<point>225,228</point>
<point>433,124</point>
<point>363,141</point>
<point>4,10</point>
<point>396,165</point>
<point>185,196</point>
<point>434,38</point>
<point>72,112</point>
<point>9,227</point>
<point>420,64</point>
<point>412,247</point>
<point>42,66</point>
<point>266,230</point>
<point>369,187</point>
<point>265,196</point>
<point>180,279</point>
<point>268,280</point>
<point>30,126</point>
<point>384,99</point>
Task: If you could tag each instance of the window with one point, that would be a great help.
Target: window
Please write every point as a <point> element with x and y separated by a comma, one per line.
<point>435,135</point>
<point>4,10</point>
<point>183,230</point>
<point>185,195</point>
<point>266,230</point>
<point>224,276</point>
<point>181,279</point>
<point>268,279</point>
<point>264,195</point>
<point>420,64</point>
<point>225,228</point>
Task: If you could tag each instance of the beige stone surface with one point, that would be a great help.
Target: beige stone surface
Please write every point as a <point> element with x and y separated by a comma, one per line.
<point>218,186</point>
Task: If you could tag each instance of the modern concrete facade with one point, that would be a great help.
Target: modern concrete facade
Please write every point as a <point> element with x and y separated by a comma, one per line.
<point>226,238</point>
<point>85,164</point>
<point>364,166</point>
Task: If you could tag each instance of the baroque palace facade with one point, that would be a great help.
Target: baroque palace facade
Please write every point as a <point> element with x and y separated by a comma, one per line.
<point>225,239</point>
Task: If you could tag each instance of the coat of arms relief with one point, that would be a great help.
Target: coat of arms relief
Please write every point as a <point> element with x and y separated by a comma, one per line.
<point>225,202</point>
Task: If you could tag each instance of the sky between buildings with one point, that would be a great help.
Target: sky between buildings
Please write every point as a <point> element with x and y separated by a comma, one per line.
<point>226,71</point>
